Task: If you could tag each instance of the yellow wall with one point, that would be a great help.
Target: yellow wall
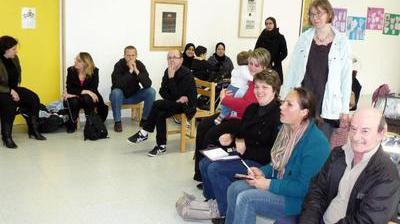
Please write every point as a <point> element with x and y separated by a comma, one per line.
<point>39,49</point>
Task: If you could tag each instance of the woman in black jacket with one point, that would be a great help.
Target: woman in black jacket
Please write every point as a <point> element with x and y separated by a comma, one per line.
<point>275,43</point>
<point>12,95</point>
<point>82,83</point>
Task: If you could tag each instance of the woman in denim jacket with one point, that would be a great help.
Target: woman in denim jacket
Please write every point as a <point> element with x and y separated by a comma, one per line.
<point>321,62</point>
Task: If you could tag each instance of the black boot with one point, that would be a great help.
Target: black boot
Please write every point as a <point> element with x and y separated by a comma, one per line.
<point>33,128</point>
<point>6,130</point>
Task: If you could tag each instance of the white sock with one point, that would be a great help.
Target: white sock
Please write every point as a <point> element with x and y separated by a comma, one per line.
<point>143,132</point>
<point>162,146</point>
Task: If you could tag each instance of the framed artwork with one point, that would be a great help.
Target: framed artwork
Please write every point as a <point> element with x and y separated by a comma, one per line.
<point>250,18</point>
<point>168,24</point>
<point>304,24</point>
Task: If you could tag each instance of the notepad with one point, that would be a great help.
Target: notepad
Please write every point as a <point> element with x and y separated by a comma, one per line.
<point>218,154</point>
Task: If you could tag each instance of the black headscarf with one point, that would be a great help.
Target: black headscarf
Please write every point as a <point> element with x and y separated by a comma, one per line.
<point>273,32</point>
<point>187,61</point>
<point>219,58</point>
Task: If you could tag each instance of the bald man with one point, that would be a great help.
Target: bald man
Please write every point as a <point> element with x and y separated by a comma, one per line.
<point>179,94</point>
<point>358,183</point>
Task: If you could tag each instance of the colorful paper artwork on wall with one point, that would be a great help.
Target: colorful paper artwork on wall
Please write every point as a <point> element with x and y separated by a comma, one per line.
<point>391,24</point>
<point>375,18</point>
<point>356,27</point>
<point>339,22</point>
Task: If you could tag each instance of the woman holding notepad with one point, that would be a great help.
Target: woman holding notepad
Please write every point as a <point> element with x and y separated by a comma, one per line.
<point>252,137</point>
<point>277,190</point>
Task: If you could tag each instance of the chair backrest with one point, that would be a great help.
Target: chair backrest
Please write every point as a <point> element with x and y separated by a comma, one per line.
<point>207,89</point>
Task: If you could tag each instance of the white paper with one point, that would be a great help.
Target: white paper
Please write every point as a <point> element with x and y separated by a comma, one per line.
<point>28,18</point>
<point>218,154</point>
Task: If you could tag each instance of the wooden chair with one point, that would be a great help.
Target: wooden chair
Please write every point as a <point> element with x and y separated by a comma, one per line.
<point>136,111</point>
<point>204,88</point>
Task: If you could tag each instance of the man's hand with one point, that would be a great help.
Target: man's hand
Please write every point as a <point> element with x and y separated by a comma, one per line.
<point>14,95</point>
<point>182,99</point>
<point>171,70</point>
<point>132,66</point>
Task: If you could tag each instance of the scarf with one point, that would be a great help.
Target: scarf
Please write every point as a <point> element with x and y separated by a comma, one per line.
<point>219,59</point>
<point>284,145</point>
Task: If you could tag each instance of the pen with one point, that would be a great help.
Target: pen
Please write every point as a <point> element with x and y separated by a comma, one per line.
<point>248,168</point>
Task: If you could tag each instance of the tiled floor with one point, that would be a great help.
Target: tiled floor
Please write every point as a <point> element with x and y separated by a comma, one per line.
<point>68,180</point>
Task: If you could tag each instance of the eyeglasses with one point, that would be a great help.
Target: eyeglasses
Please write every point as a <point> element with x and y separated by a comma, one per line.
<point>318,15</point>
<point>173,58</point>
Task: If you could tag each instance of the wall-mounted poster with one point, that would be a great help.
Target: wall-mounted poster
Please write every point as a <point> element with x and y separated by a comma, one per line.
<point>391,24</point>
<point>250,19</point>
<point>304,24</point>
<point>168,24</point>
<point>375,18</point>
<point>339,22</point>
<point>356,27</point>
<point>28,18</point>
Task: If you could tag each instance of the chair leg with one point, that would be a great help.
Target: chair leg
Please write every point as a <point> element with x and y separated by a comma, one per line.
<point>193,128</point>
<point>140,112</point>
<point>183,133</point>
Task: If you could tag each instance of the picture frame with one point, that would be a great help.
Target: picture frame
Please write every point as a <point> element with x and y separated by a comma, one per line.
<point>304,24</point>
<point>168,24</point>
<point>251,18</point>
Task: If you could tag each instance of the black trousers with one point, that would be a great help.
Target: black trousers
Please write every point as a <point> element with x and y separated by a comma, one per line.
<point>29,104</point>
<point>208,135</point>
<point>160,111</point>
<point>85,102</point>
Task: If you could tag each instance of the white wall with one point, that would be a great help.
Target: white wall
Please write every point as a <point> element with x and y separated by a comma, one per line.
<point>105,27</point>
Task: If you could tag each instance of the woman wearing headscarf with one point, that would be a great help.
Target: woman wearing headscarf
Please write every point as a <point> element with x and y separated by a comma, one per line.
<point>275,43</point>
<point>188,55</point>
<point>222,64</point>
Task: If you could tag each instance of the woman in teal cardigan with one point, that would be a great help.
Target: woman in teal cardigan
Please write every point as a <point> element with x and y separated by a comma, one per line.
<point>277,190</point>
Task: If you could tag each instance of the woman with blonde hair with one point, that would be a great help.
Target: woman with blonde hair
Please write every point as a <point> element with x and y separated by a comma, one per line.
<point>82,83</point>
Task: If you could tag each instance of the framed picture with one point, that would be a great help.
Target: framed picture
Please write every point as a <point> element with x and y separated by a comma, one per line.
<point>168,24</point>
<point>251,18</point>
<point>304,25</point>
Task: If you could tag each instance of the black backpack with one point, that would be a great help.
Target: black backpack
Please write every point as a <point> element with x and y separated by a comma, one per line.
<point>94,128</point>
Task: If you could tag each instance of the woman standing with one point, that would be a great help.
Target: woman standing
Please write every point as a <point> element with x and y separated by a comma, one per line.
<point>275,43</point>
<point>277,190</point>
<point>321,63</point>
<point>12,95</point>
<point>82,83</point>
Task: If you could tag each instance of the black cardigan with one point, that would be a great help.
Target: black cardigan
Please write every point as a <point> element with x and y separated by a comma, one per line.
<point>129,83</point>
<point>373,199</point>
<point>259,132</point>
<point>182,84</point>
<point>74,85</point>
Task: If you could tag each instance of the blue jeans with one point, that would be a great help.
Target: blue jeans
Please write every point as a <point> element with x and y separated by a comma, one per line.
<point>245,202</point>
<point>117,98</point>
<point>218,175</point>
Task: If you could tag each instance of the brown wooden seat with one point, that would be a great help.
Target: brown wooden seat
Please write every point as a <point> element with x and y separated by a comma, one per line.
<point>204,88</point>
